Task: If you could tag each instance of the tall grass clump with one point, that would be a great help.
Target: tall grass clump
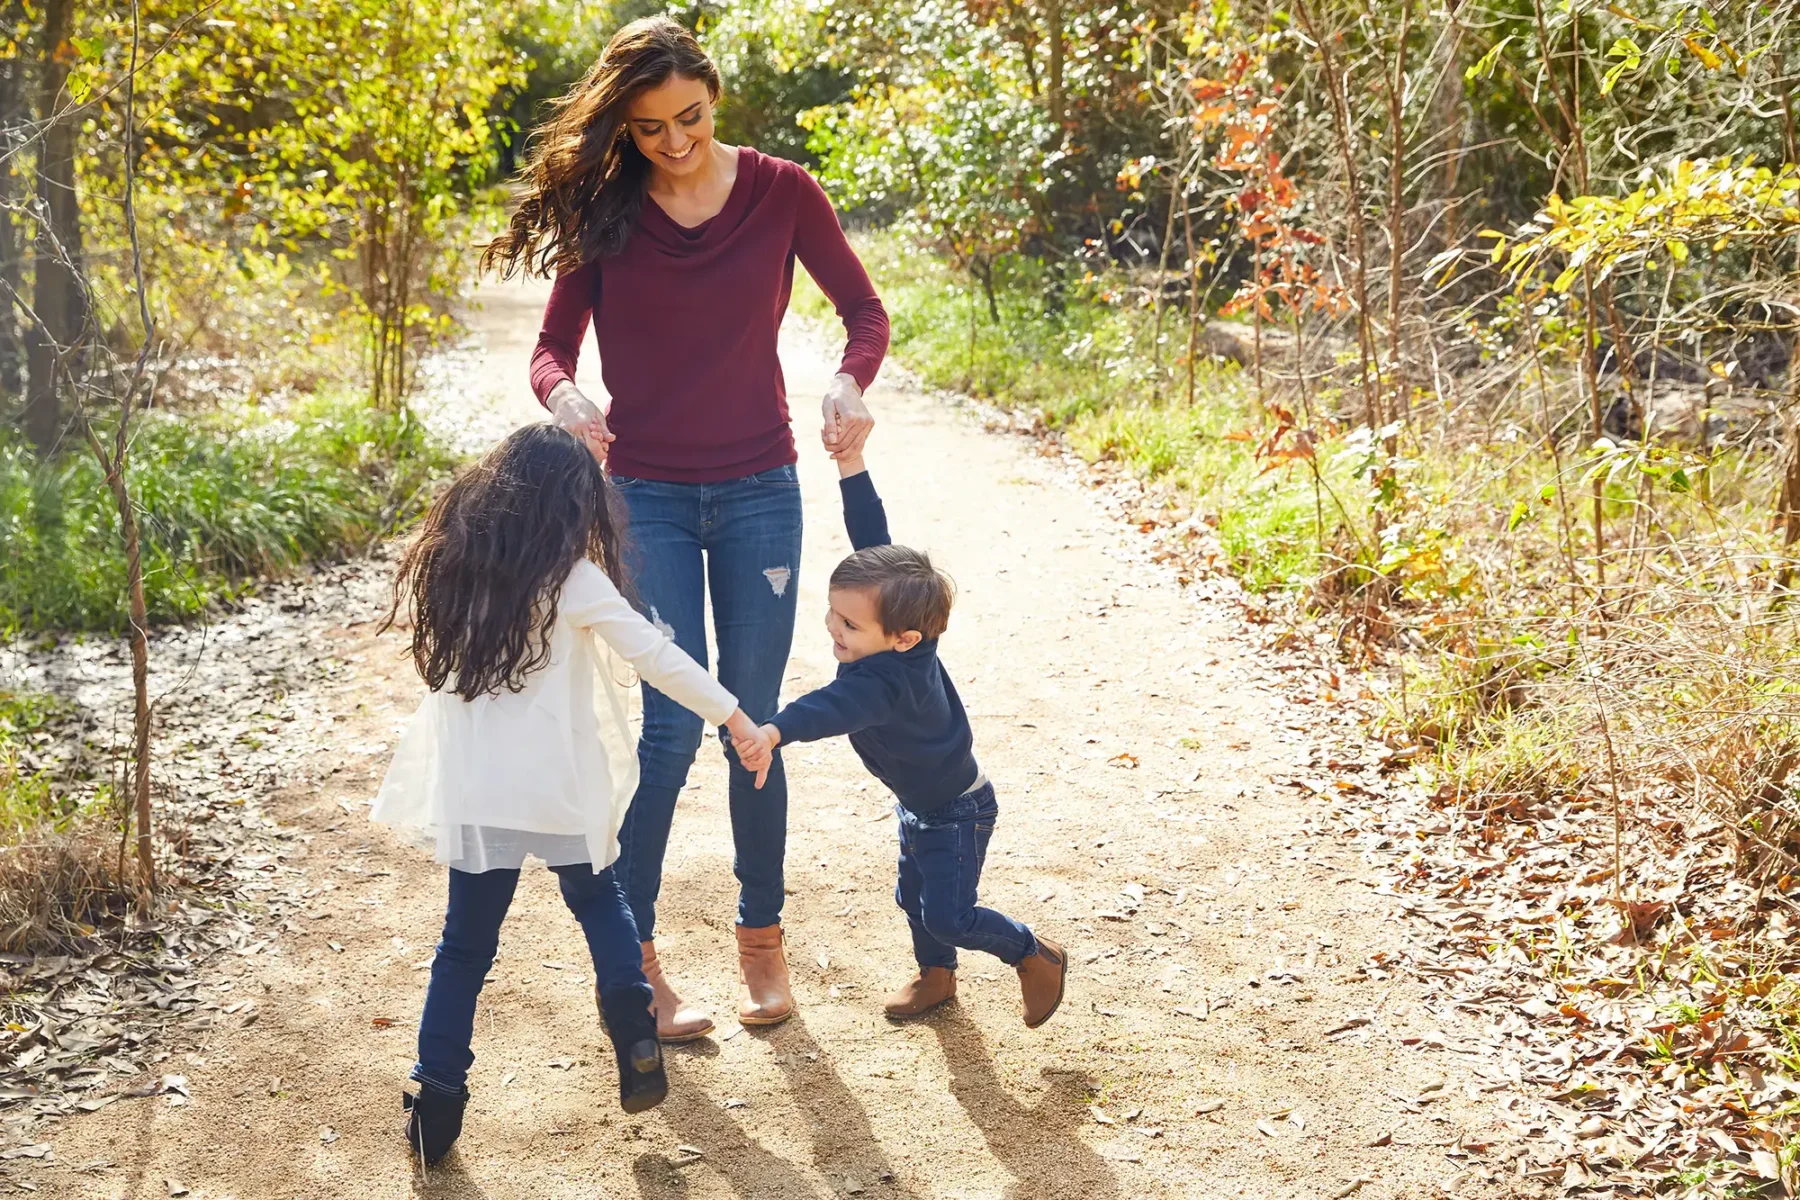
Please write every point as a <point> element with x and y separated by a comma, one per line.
<point>59,862</point>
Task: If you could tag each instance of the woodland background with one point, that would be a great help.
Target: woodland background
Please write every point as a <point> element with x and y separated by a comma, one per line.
<point>1461,331</point>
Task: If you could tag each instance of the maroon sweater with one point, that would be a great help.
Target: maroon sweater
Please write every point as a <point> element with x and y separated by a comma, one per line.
<point>686,325</point>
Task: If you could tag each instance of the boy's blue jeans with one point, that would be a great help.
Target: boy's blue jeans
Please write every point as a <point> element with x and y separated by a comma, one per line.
<point>477,906</point>
<point>941,856</point>
<point>737,542</point>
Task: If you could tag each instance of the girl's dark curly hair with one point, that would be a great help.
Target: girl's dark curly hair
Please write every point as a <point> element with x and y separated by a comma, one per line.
<point>584,176</point>
<point>482,577</point>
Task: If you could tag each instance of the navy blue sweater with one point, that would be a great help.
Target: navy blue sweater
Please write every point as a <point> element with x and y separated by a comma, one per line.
<point>900,709</point>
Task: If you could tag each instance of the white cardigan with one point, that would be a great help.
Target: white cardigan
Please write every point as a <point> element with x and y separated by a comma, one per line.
<point>548,770</point>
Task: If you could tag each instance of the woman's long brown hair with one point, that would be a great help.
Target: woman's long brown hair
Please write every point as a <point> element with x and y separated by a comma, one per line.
<point>584,176</point>
<point>481,579</point>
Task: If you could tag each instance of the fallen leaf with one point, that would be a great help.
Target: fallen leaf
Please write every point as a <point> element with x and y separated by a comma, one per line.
<point>1353,1187</point>
<point>1127,761</point>
<point>327,1134</point>
<point>175,1189</point>
<point>1266,1128</point>
<point>1101,1116</point>
<point>382,1022</point>
<point>1208,1106</point>
<point>508,1078</point>
<point>561,1064</point>
<point>35,1150</point>
<point>735,1103</point>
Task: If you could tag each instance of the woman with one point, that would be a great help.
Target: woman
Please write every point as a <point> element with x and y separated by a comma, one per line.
<point>680,251</point>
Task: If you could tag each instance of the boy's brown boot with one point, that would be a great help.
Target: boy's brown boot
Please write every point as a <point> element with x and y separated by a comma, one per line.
<point>764,998</point>
<point>675,1022</point>
<point>922,993</point>
<point>1041,977</point>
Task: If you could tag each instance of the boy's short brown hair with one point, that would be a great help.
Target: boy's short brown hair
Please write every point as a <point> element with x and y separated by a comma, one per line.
<point>910,593</point>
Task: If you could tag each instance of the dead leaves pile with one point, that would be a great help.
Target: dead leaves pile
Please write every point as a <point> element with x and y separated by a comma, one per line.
<point>1641,1040</point>
<point>243,705</point>
<point>1638,1046</point>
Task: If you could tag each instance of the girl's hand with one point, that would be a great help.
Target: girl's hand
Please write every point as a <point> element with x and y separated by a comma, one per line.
<point>847,419</point>
<point>580,416</point>
<point>754,750</point>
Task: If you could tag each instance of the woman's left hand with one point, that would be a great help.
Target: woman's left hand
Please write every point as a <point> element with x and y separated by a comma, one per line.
<point>847,419</point>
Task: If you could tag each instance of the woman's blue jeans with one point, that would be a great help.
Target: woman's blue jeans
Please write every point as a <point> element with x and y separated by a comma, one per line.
<point>739,543</point>
<point>472,921</point>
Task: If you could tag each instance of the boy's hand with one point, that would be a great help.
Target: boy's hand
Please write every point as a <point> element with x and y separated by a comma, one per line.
<point>755,752</point>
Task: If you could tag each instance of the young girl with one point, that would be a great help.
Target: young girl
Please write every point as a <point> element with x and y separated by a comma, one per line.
<point>522,746</point>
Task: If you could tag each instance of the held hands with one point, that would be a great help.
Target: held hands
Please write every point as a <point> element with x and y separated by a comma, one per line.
<point>755,747</point>
<point>847,419</point>
<point>577,414</point>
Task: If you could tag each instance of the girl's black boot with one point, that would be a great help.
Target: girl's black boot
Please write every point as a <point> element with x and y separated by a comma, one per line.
<point>434,1120</point>
<point>625,1011</point>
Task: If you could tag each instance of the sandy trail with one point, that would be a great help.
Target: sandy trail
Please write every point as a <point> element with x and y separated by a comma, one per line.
<point>1215,941</point>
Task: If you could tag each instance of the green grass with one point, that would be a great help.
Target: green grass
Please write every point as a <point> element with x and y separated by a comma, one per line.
<point>224,499</point>
<point>1088,368</point>
<point>27,800</point>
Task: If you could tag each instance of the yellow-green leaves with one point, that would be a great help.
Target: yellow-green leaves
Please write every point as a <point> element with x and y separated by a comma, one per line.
<point>1630,58</point>
<point>1717,204</point>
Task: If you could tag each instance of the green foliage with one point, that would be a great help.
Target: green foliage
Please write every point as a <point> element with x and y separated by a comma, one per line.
<point>26,798</point>
<point>1083,370</point>
<point>337,149</point>
<point>221,502</point>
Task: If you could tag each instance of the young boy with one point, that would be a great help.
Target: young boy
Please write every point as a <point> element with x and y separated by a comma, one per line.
<point>896,702</point>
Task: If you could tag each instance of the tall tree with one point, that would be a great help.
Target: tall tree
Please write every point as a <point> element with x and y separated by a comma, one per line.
<point>59,301</point>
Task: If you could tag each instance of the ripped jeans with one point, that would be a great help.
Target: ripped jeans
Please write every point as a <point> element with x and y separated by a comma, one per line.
<point>739,542</point>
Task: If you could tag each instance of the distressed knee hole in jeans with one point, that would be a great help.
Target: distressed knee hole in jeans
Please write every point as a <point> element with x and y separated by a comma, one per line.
<point>662,626</point>
<point>778,578</point>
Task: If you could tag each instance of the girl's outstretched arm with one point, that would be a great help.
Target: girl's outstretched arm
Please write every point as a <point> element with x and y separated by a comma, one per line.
<point>590,601</point>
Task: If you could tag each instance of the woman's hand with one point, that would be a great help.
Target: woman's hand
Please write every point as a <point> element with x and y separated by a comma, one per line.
<point>847,419</point>
<point>581,417</point>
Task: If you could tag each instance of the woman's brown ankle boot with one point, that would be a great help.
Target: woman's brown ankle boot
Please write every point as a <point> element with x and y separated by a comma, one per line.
<point>675,1021</point>
<point>764,998</point>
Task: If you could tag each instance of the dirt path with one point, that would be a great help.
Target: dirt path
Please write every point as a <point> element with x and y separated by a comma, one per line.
<point>1218,944</point>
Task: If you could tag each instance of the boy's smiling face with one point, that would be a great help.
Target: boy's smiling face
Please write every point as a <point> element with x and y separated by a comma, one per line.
<point>854,622</point>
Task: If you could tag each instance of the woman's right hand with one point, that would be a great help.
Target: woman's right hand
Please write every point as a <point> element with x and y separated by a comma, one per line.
<point>582,417</point>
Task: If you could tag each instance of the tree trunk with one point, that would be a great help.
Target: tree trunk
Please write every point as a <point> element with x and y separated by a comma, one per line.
<point>1396,95</point>
<point>1359,238</point>
<point>58,297</point>
<point>13,120</point>
<point>1053,19</point>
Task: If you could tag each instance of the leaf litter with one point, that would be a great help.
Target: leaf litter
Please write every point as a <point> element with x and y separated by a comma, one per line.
<point>243,707</point>
<point>1638,1038</point>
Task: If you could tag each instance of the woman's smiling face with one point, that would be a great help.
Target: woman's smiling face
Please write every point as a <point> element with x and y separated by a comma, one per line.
<point>672,124</point>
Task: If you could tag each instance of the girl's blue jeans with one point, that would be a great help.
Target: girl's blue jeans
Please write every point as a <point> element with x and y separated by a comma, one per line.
<point>472,920</point>
<point>737,542</point>
<point>941,856</point>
